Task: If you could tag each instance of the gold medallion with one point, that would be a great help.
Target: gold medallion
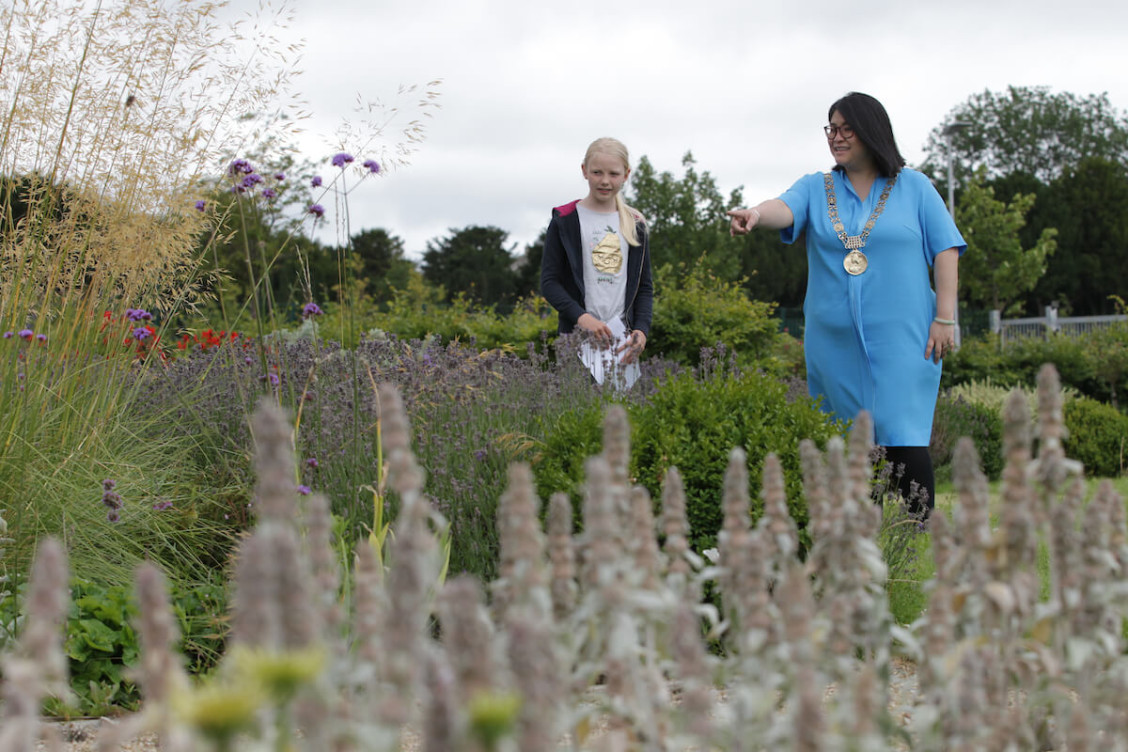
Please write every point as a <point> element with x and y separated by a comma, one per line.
<point>855,263</point>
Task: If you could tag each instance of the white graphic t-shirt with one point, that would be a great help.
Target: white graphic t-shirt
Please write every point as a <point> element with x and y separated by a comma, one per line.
<point>605,264</point>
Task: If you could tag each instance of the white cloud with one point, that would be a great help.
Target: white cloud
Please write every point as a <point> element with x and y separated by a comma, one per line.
<point>743,85</point>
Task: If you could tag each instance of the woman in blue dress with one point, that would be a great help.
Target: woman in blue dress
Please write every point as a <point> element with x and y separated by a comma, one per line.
<point>875,330</point>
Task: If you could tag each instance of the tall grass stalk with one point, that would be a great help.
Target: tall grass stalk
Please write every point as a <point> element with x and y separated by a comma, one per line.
<point>115,111</point>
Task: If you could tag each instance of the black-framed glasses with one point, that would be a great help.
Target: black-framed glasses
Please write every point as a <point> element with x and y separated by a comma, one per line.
<point>833,130</point>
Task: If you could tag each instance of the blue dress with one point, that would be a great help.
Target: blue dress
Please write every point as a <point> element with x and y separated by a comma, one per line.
<point>865,335</point>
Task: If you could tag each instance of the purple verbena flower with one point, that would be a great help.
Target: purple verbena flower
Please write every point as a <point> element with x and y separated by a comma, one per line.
<point>372,165</point>
<point>138,314</point>
<point>317,210</point>
<point>279,176</point>
<point>26,334</point>
<point>304,490</point>
<point>240,167</point>
<point>160,506</point>
<point>340,159</point>
<point>201,205</point>
<point>311,309</point>
<point>315,182</point>
<point>7,335</point>
<point>140,333</point>
<point>251,180</point>
<point>41,337</point>
<point>312,462</point>
<point>269,193</point>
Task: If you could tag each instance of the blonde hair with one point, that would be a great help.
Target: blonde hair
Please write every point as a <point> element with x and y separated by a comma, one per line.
<point>628,215</point>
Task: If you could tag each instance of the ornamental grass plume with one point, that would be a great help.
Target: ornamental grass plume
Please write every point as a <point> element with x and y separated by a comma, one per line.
<point>561,556</point>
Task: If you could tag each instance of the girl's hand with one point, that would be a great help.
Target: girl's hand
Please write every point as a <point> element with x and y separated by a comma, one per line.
<point>632,348</point>
<point>599,331</point>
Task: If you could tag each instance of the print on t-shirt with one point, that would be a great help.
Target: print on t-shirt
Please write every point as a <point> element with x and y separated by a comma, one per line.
<point>607,255</point>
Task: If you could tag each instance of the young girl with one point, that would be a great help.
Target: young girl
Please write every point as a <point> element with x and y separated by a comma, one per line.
<point>596,266</point>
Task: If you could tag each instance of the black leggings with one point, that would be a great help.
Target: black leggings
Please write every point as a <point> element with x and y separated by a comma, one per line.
<point>911,468</point>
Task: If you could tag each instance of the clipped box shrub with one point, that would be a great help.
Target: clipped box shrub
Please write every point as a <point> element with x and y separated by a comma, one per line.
<point>694,424</point>
<point>1098,437</point>
<point>957,415</point>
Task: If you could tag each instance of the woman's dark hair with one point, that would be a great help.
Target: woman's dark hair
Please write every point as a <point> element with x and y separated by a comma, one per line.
<point>871,124</point>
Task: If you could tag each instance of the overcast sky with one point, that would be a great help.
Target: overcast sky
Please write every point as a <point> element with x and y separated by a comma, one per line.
<point>743,84</point>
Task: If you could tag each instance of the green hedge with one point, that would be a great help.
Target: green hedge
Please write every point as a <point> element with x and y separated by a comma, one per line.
<point>694,425</point>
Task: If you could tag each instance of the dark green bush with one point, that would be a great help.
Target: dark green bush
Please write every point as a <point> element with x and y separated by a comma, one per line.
<point>695,311</point>
<point>956,417</point>
<point>1098,437</point>
<point>693,424</point>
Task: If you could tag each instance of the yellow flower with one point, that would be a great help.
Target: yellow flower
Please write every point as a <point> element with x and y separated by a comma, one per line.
<point>219,710</point>
<point>280,674</point>
<point>492,715</point>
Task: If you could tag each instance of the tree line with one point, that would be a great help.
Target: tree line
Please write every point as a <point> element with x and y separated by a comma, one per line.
<point>1040,181</point>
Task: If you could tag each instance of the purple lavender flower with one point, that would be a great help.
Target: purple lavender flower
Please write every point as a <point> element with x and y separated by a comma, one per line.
<point>312,462</point>
<point>315,182</point>
<point>26,334</point>
<point>201,205</point>
<point>317,210</point>
<point>160,506</point>
<point>372,166</point>
<point>304,490</point>
<point>113,516</point>
<point>340,159</point>
<point>480,455</point>
<point>311,309</point>
<point>269,193</point>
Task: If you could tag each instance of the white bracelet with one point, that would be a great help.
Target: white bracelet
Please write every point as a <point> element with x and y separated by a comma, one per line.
<point>948,322</point>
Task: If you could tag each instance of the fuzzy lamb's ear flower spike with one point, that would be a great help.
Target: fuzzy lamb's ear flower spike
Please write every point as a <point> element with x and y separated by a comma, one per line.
<point>276,492</point>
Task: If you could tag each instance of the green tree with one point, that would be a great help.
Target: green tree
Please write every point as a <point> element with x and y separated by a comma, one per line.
<point>383,266</point>
<point>687,217</point>
<point>1088,205</point>
<point>689,225</point>
<point>473,262</point>
<point>1028,130</point>
<point>997,271</point>
<point>529,268</point>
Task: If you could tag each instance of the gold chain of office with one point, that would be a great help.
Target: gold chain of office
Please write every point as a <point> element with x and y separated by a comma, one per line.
<point>855,261</point>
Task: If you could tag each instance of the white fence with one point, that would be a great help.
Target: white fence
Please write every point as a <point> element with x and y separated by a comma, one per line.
<point>1041,326</point>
